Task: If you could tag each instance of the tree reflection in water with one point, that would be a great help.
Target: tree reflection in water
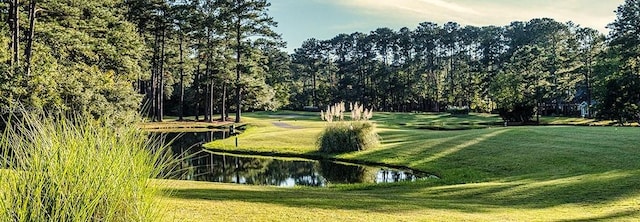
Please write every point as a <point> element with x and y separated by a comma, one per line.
<point>197,164</point>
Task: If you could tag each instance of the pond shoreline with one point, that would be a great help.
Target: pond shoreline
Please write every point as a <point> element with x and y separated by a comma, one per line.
<point>316,157</point>
<point>187,126</point>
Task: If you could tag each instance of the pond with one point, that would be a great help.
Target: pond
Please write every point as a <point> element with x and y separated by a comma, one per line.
<point>201,165</point>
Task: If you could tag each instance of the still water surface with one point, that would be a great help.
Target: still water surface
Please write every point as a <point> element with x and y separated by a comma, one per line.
<point>201,165</point>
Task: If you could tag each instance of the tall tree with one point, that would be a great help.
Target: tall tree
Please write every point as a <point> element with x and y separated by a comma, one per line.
<point>621,100</point>
<point>246,19</point>
<point>625,32</point>
<point>516,89</point>
<point>590,45</point>
<point>308,61</point>
<point>434,65</point>
<point>427,53</point>
<point>180,18</point>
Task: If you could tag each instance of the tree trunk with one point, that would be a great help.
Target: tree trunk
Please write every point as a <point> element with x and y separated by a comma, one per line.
<point>315,95</point>
<point>223,108</point>
<point>197,93</point>
<point>197,83</point>
<point>207,73</point>
<point>15,32</point>
<point>208,104</point>
<point>161,75</point>
<point>238,85</point>
<point>588,79</point>
<point>364,86</point>
<point>181,115</point>
<point>538,99</point>
<point>154,78</point>
<point>451,80</point>
<point>28,50</point>
<point>212,100</point>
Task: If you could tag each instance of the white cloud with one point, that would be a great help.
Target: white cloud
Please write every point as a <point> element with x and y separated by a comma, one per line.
<point>451,6</point>
<point>415,7</point>
<point>591,13</point>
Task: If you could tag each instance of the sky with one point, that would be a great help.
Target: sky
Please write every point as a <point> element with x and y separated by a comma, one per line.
<point>299,20</point>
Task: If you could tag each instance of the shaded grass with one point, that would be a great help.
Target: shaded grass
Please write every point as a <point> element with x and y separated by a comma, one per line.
<point>420,201</point>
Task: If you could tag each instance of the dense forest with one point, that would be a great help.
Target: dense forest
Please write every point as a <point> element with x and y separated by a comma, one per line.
<point>207,58</point>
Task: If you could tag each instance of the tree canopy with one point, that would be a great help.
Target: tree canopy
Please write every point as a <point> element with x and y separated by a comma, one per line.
<point>114,58</point>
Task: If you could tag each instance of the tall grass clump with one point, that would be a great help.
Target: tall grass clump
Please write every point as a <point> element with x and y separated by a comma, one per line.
<point>76,169</point>
<point>341,136</point>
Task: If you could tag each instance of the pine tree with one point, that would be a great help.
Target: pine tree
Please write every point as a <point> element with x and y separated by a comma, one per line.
<point>246,18</point>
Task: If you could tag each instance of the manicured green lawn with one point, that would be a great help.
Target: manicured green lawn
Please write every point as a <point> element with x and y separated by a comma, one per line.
<point>546,173</point>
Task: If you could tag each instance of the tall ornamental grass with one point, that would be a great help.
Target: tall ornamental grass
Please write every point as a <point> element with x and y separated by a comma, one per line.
<point>341,136</point>
<point>57,169</point>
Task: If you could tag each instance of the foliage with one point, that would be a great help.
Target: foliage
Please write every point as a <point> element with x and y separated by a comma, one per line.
<point>521,113</point>
<point>434,66</point>
<point>195,49</point>
<point>85,59</point>
<point>60,169</point>
<point>511,101</point>
<point>182,56</point>
<point>93,58</point>
<point>458,110</point>
<point>520,86</point>
<point>619,69</point>
<point>347,136</point>
<point>620,99</point>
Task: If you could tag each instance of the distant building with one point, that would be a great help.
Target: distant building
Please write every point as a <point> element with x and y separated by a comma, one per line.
<point>584,109</point>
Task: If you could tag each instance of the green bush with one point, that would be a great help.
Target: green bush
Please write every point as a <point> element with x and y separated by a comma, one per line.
<point>56,169</point>
<point>458,110</point>
<point>518,113</point>
<point>340,137</point>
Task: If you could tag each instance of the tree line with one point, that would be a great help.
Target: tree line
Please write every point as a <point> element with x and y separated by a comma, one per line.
<point>113,58</point>
<point>431,67</point>
<point>207,58</point>
<point>521,70</point>
<point>209,52</point>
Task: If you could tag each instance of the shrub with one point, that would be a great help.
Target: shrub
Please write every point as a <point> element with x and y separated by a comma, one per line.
<point>519,113</point>
<point>57,169</point>
<point>458,110</point>
<point>347,136</point>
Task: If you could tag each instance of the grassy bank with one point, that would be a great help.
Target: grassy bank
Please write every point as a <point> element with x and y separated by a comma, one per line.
<point>464,156</point>
<point>523,200</point>
<point>547,173</point>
